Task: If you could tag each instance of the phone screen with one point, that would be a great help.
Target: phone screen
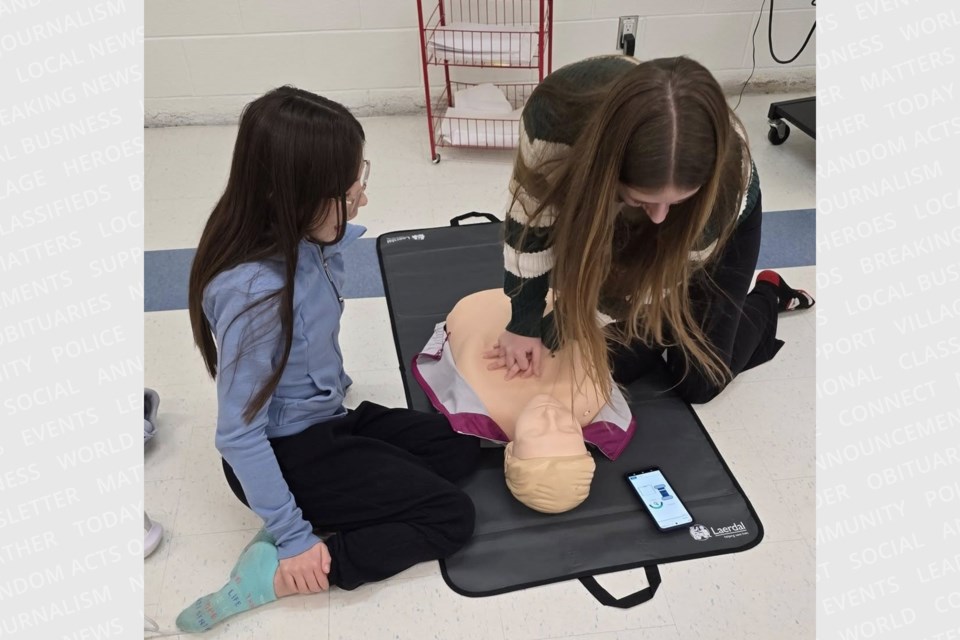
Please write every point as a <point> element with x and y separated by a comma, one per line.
<point>660,499</point>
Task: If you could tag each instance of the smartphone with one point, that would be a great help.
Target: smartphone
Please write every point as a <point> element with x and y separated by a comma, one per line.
<point>659,499</point>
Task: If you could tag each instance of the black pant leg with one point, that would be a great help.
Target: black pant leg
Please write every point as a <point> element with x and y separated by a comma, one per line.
<point>388,508</point>
<point>428,436</point>
<point>629,362</point>
<point>741,327</point>
<point>759,310</point>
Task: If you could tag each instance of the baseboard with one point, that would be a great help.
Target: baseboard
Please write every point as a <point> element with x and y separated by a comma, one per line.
<point>769,81</point>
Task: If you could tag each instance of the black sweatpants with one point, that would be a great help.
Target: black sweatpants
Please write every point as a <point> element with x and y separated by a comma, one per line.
<point>382,480</point>
<point>741,327</point>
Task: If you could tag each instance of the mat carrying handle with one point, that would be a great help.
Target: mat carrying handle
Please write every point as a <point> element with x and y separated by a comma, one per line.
<point>632,600</point>
<point>489,217</point>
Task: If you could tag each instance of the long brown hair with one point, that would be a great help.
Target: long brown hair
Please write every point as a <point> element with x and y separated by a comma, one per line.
<point>296,152</point>
<point>663,123</point>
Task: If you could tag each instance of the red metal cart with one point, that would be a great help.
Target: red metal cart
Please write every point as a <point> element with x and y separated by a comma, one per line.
<point>493,34</point>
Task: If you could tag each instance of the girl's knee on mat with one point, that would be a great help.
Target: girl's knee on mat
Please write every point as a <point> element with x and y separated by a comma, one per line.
<point>697,389</point>
<point>458,522</point>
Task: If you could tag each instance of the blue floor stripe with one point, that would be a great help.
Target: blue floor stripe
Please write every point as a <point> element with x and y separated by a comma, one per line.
<point>789,240</point>
<point>166,275</point>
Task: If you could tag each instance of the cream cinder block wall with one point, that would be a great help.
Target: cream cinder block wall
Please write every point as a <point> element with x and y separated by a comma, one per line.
<point>205,59</point>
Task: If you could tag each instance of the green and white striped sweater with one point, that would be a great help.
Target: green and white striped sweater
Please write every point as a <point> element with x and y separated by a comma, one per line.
<point>547,132</point>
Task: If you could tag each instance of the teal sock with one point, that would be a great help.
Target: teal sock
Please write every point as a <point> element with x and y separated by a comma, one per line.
<point>250,585</point>
<point>262,536</point>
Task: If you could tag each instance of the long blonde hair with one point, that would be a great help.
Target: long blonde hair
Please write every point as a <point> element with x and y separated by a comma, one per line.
<point>665,122</point>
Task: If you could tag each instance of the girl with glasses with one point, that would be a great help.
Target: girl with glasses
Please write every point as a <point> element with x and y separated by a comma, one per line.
<point>346,496</point>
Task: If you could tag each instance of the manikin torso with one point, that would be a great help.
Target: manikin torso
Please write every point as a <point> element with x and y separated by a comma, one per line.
<point>543,415</point>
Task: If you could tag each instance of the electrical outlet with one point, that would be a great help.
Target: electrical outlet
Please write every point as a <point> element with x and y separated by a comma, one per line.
<point>628,24</point>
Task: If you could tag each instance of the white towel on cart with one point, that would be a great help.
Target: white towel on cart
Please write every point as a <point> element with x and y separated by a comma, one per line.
<point>485,98</point>
<point>466,127</point>
<point>487,44</point>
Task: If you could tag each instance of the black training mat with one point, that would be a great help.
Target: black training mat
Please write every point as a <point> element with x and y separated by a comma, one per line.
<point>425,273</point>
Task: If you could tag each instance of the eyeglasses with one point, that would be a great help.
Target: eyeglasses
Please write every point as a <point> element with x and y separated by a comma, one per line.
<point>364,176</point>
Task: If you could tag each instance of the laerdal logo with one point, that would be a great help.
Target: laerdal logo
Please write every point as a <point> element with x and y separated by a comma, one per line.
<point>735,530</point>
<point>416,236</point>
<point>699,532</point>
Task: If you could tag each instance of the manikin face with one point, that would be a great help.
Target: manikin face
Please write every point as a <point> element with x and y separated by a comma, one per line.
<point>655,203</point>
<point>545,428</point>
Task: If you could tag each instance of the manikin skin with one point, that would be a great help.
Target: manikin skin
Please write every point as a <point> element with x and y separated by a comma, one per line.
<point>543,415</point>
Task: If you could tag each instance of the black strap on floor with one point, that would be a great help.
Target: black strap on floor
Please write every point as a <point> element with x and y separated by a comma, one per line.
<point>488,217</point>
<point>639,597</point>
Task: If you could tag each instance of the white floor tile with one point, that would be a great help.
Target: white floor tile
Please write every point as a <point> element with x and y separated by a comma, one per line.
<point>812,541</point>
<point>778,415</point>
<point>799,496</point>
<point>164,457</point>
<point>381,386</point>
<point>412,609</point>
<point>202,176</point>
<point>366,338</point>
<point>187,404</point>
<point>567,609</point>
<point>776,511</point>
<point>175,223</point>
<point>155,566</point>
<point>396,208</point>
<point>160,632</point>
<point>209,506</point>
<point>745,404</point>
<point>761,594</point>
<point>188,167</point>
<point>655,633</point>
<point>163,498</point>
<point>170,144</point>
<point>787,171</point>
<point>170,357</point>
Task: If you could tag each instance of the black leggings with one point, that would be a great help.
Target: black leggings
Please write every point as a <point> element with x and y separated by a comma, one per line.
<point>742,328</point>
<point>382,480</point>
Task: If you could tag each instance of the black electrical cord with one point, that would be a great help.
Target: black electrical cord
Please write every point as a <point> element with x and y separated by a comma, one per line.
<point>770,37</point>
<point>753,54</point>
<point>753,40</point>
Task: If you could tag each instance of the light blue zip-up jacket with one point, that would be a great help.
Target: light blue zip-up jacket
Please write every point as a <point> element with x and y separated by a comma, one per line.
<point>312,385</point>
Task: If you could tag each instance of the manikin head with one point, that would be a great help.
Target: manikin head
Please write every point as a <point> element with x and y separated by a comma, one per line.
<point>547,466</point>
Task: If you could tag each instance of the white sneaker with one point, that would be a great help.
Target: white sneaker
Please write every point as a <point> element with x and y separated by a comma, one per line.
<point>152,535</point>
<point>151,402</point>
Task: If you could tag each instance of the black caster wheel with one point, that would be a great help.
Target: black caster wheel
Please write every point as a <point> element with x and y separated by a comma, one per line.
<point>436,159</point>
<point>778,133</point>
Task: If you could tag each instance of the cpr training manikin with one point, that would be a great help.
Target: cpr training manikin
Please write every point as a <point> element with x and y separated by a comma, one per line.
<point>543,420</point>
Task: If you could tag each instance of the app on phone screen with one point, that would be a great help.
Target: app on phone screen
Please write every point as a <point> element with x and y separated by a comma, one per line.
<point>659,498</point>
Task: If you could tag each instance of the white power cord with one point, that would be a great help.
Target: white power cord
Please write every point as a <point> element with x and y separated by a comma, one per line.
<point>152,630</point>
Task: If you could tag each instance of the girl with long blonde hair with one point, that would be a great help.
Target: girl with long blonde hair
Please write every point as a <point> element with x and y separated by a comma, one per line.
<point>635,200</point>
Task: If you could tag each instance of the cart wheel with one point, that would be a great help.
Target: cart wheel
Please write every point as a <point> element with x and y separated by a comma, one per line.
<point>778,133</point>
<point>436,159</point>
